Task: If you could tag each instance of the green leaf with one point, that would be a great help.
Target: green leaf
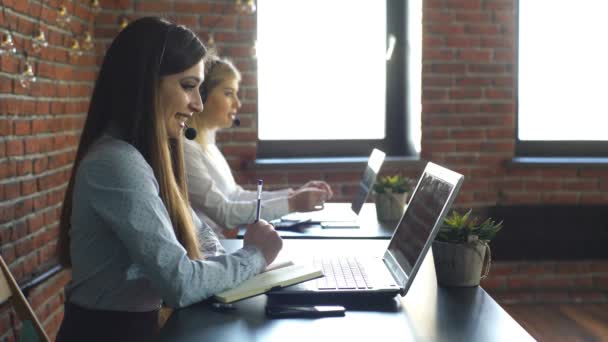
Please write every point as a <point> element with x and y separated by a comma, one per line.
<point>458,227</point>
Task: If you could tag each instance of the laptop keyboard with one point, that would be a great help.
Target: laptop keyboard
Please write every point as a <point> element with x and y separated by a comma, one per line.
<point>342,273</point>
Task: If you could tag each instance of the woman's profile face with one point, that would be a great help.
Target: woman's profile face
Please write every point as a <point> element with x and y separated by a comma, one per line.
<point>179,98</point>
<point>222,104</point>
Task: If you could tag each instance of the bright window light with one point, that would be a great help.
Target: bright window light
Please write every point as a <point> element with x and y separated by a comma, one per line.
<point>562,70</point>
<point>321,69</point>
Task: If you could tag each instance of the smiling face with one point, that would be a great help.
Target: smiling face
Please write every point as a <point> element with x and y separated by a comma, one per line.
<point>179,98</point>
<point>222,104</point>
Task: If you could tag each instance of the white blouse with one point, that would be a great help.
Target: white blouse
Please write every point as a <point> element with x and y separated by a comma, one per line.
<point>214,194</point>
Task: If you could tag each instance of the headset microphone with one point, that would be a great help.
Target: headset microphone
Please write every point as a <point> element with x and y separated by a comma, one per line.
<point>236,122</point>
<point>190,132</point>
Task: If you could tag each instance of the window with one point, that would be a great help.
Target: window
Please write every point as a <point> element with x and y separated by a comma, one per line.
<point>562,74</point>
<point>331,78</point>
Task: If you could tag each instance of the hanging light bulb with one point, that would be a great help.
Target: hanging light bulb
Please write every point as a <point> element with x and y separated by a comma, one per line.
<point>7,45</point>
<point>87,41</point>
<point>95,7</point>
<point>239,6</point>
<point>211,41</point>
<point>123,23</point>
<point>250,7</point>
<point>254,50</point>
<point>75,50</point>
<point>63,17</point>
<point>39,41</point>
<point>27,76</point>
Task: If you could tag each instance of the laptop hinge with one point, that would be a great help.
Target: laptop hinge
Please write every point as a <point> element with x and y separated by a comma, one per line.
<point>396,271</point>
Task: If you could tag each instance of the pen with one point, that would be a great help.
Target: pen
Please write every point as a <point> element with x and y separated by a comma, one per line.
<point>259,206</point>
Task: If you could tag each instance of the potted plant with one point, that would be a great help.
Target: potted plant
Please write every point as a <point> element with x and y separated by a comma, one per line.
<point>461,250</point>
<point>391,194</point>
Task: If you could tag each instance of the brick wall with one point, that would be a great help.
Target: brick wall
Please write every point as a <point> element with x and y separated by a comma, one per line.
<point>468,124</point>
<point>39,129</point>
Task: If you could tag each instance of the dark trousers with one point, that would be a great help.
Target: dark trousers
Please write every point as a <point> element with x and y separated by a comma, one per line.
<point>80,324</point>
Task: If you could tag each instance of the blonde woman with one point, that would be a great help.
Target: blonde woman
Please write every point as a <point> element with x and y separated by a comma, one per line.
<point>214,194</point>
<point>126,229</point>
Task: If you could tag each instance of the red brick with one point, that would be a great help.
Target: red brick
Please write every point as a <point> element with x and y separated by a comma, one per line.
<point>14,148</point>
<point>296,179</point>
<point>560,198</point>
<point>555,283</point>
<point>518,283</point>
<point>464,4</point>
<point>552,296</point>
<point>11,191</point>
<point>517,297</point>
<point>493,283</point>
<point>582,282</point>
<point>599,266</point>
<point>580,185</point>
<point>192,7</point>
<point>588,296</point>
<point>542,185</point>
<point>28,187</point>
<point>343,177</point>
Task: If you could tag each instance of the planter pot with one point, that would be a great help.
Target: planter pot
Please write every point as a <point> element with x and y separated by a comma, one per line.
<point>389,206</point>
<point>460,264</point>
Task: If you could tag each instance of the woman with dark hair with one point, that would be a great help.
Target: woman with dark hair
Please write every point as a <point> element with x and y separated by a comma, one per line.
<point>214,194</point>
<point>126,227</point>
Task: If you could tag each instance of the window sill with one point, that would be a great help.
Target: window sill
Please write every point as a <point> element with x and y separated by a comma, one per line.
<point>558,161</point>
<point>327,163</point>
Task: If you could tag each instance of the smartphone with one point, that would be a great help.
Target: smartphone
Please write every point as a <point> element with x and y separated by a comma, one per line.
<point>279,311</point>
<point>339,224</point>
<point>289,224</point>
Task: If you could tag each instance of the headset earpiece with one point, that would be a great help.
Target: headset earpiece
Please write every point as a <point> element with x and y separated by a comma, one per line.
<point>203,92</point>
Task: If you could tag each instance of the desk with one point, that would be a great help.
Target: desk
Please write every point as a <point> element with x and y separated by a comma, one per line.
<point>426,313</point>
<point>370,228</point>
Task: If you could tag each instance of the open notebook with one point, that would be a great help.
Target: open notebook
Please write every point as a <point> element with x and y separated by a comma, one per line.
<point>276,276</point>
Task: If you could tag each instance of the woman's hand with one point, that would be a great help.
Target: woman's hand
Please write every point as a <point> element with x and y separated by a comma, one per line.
<point>263,236</point>
<point>321,185</point>
<point>311,196</point>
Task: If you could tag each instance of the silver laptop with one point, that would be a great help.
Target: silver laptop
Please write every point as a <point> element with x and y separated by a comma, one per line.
<point>344,214</point>
<point>395,271</point>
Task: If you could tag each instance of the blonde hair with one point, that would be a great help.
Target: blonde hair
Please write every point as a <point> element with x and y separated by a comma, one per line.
<point>217,70</point>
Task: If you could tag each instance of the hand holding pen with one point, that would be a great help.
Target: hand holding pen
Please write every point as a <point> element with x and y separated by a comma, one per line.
<point>259,203</point>
<point>263,236</point>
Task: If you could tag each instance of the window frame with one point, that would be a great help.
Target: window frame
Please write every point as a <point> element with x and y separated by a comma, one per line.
<point>549,148</point>
<point>395,141</point>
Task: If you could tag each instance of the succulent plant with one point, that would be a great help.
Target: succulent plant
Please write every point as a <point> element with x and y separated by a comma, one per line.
<point>466,228</point>
<point>396,184</point>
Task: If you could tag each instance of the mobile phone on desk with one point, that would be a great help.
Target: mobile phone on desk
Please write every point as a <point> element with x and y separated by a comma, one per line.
<point>339,224</point>
<point>314,311</point>
<point>289,224</point>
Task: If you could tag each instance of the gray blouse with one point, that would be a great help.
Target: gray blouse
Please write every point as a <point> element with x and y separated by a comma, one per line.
<point>125,255</point>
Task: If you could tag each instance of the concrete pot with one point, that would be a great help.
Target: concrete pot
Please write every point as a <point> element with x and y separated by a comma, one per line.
<point>460,264</point>
<point>389,206</point>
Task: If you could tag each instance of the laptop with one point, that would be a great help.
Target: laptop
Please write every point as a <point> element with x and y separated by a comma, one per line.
<point>393,273</point>
<point>338,215</point>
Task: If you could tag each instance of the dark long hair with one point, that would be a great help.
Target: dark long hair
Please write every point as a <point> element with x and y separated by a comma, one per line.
<point>125,95</point>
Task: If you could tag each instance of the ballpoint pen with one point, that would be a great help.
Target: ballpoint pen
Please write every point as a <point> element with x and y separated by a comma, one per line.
<point>259,205</point>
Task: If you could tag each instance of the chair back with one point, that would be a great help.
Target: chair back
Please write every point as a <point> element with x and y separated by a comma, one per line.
<point>31,329</point>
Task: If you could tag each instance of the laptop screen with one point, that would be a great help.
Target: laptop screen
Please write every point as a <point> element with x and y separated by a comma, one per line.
<point>369,177</point>
<point>421,220</point>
